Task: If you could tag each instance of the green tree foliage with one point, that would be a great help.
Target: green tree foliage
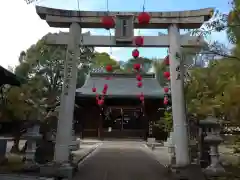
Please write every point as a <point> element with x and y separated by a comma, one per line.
<point>145,62</point>
<point>233,22</point>
<point>104,59</point>
<point>213,90</point>
<point>159,68</point>
<point>44,64</point>
<point>42,68</point>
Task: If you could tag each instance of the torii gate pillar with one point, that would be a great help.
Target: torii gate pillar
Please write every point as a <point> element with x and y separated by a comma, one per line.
<point>178,101</point>
<point>64,128</point>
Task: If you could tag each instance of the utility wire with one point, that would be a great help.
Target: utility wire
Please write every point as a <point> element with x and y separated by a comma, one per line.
<point>144,2</point>
<point>110,35</point>
<point>78,5</point>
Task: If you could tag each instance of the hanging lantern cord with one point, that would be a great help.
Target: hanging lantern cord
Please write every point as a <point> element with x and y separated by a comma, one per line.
<point>107,6</point>
<point>144,2</point>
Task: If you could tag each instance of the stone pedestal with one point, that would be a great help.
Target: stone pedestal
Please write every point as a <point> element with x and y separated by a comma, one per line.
<point>215,167</point>
<point>190,172</point>
<point>63,170</point>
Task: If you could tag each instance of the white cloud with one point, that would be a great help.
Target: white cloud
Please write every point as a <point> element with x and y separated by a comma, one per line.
<point>21,28</point>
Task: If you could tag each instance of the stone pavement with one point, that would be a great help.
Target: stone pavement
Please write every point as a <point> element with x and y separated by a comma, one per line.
<point>121,160</point>
<point>160,154</point>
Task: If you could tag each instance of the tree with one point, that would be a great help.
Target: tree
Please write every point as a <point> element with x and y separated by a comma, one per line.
<point>213,90</point>
<point>159,68</point>
<point>103,59</point>
<point>44,64</point>
<point>42,67</point>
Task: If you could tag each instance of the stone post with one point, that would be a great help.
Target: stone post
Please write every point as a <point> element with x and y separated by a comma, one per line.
<point>178,102</point>
<point>64,128</point>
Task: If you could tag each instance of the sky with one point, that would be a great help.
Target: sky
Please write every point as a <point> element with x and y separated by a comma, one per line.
<point>21,27</point>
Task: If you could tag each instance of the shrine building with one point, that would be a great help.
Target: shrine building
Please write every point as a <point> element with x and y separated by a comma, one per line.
<point>123,114</point>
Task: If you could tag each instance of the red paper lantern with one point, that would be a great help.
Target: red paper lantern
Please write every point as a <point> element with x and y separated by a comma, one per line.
<point>165,101</point>
<point>94,89</point>
<point>135,53</point>
<point>139,41</point>
<point>100,102</point>
<point>169,78</point>
<point>166,89</point>
<point>144,18</point>
<point>166,74</point>
<point>137,66</point>
<point>139,84</point>
<point>141,98</point>
<point>105,86</point>
<point>139,77</point>
<point>108,22</point>
<point>109,68</point>
<point>166,60</point>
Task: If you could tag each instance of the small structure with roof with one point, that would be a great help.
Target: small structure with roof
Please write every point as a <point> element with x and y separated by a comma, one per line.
<point>122,114</point>
<point>8,77</point>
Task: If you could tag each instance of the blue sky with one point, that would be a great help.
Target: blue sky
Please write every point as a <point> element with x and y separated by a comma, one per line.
<point>28,27</point>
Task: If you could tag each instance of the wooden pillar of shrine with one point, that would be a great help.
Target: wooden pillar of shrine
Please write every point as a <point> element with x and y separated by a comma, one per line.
<point>100,124</point>
<point>145,120</point>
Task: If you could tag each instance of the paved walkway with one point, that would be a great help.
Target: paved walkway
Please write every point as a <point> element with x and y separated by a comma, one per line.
<point>121,161</point>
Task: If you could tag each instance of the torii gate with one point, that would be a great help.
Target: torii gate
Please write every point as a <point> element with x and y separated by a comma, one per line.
<point>76,20</point>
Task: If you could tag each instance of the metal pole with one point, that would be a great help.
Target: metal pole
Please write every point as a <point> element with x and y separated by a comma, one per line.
<point>65,121</point>
<point>178,102</point>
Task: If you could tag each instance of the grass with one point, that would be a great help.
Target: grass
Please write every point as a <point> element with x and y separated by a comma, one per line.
<point>13,163</point>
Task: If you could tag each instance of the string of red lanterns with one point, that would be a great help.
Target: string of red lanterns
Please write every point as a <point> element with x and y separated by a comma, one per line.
<point>143,19</point>
<point>100,98</point>
<point>108,23</point>
<point>166,74</point>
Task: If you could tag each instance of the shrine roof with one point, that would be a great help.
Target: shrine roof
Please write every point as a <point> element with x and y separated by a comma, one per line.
<point>121,85</point>
<point>8,77</point>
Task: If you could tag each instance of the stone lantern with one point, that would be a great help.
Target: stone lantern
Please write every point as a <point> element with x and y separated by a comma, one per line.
<point>32,137</point>
<point>213,139</point>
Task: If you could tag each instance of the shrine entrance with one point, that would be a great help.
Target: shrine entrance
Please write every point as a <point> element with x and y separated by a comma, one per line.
<point>123,115</point>
<point>120,122</point>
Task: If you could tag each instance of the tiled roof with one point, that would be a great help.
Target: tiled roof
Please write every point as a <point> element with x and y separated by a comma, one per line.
<point>8,77</point>
<point>121,85</point>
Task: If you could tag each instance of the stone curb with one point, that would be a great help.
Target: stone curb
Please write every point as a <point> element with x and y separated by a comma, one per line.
<point>22,177</point>
<point>150,152</point>
<point>87,154</point>
<point>25,177</point>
